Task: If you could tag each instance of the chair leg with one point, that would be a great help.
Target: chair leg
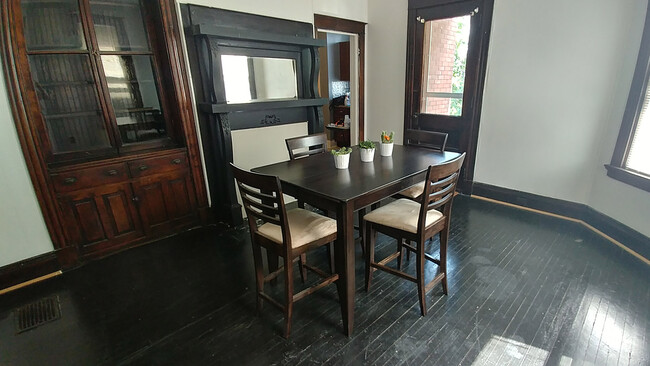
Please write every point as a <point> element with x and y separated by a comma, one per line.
<point>362,229</point>
<point>259,276</point>
<point>272,260</point>
<point>370,253</point>
<point>400,249</point>
<point>420,277</point>
<point>444,236</point>
<point>330,254</point>
<point>288,308</point>
<point>301,266</point>
<point>408,254</point>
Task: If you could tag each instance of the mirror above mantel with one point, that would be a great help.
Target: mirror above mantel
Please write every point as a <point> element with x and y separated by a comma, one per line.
<point>249,71</point>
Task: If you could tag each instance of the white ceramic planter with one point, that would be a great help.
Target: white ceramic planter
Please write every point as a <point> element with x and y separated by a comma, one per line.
<point>342,161</point>
<point>367,155</point>
<point>386,149</point>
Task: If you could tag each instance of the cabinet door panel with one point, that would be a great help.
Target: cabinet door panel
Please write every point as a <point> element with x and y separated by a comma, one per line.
<point>151,202</point>
<point>89,220</point>
<point>119,212</point>
<point>179,200</point>
<point>166,201</point>
<point>102,215</point>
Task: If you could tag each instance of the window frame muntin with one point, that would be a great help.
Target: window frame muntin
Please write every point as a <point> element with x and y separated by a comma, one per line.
<point>616,168</point>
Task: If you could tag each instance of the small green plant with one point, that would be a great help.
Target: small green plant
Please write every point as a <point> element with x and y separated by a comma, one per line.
<point>342,151</point>
<point>367,144</point>
<point>387,138</point>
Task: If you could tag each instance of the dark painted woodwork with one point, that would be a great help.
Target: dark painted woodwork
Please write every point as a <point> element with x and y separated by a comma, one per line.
<point>621,232</point>
<point>28,269</point>
<point>463,131</point>
<point>59,186</point>
<point>211,32</point>
<point>344,61</point>
<point>520,285</point>
<point>616,168</point>
<point>324,22</point>
<point>317,182</point>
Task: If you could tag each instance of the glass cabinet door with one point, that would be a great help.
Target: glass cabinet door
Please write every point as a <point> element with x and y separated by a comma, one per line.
<point>129,68</point>
<point>61,70</point>
<point>94,71</point>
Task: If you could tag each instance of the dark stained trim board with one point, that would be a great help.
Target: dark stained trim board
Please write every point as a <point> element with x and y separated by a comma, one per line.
<point>28,270</point>
<point>621,234</point>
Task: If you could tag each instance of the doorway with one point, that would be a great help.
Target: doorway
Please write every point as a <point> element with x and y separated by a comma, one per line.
<point>446,65</point>
<point>341,79</point>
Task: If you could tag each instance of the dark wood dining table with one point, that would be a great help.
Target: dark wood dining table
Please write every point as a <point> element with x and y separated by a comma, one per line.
<point>316,181</point>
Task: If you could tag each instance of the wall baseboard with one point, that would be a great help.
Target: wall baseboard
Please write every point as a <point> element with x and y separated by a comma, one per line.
<point>28,269</point>
<point>624,235</point>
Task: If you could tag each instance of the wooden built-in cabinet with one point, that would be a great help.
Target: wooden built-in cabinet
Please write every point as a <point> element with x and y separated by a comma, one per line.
<point>102,108</point>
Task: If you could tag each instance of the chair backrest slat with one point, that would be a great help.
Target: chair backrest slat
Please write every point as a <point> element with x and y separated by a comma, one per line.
<point>439,188</point>
<point>428,139</point>
<point>262,200</point>
<point>306,145</point>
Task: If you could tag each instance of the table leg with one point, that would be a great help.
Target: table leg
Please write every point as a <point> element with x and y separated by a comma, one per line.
<point>345,265</point>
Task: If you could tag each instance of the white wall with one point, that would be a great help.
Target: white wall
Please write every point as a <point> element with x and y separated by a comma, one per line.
<point>627,204</point>
<point>385,68</point>
<point>22,230</point>
<point>556,87</point>
<point>346,9</point>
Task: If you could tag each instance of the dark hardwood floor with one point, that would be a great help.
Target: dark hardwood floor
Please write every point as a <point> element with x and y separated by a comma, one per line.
<point>524,289</point>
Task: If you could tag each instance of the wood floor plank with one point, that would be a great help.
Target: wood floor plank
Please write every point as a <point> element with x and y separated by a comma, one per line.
<point>524,289</point>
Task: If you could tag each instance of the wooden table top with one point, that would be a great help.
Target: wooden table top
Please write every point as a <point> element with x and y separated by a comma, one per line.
<point>317,173</point>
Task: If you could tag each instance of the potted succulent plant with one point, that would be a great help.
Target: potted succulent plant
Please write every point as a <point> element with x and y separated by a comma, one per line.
<point>386,145</point>
<point>342,157</point>
<point>367,150</point>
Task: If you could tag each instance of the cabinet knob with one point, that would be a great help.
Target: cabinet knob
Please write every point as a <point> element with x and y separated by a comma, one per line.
<point>142,168</point>
<point>70,180</point>
<point>176,161</point>
<point>112,172</point>
<point>135,199</point>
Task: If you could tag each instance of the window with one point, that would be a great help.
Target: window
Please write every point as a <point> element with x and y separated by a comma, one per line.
<point>631,160</point>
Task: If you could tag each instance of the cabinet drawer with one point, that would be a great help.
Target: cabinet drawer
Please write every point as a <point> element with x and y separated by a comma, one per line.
<point>89,177</point>
<point>151,166</point>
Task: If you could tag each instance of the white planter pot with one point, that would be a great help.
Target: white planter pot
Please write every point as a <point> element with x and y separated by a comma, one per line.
<point>367,155</point>
<point>342,161</point>
<point>386,149</point>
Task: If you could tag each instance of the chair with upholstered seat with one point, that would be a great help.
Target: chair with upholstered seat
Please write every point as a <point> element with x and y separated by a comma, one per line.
<point>426,139</point>
<point>416,222</point>
<point>285,234</point>
<point>304,146</point>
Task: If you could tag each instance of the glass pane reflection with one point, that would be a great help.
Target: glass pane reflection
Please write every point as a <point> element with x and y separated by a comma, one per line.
<point>134,95</point>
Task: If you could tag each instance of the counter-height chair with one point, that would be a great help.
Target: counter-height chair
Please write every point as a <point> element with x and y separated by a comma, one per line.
<point>426,139</point>
<point>285,234</point>
<point>303,146</point>
<point>416,222</point>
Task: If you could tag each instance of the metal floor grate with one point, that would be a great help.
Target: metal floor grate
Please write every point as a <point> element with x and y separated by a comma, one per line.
<point>38,313</point>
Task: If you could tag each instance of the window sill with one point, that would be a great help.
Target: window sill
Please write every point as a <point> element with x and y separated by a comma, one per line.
<point>628,177</point>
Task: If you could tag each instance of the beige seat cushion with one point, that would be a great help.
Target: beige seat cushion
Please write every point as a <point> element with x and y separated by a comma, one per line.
<point>413,191</point>
<point>304,227</point>
<point>401,214</point>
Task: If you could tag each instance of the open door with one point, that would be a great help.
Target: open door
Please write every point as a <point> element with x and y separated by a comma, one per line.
<point>341,78</point>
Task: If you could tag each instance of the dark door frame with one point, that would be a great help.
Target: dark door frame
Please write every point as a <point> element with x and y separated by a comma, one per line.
<point>325,23</point>
<point>415,31</point>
